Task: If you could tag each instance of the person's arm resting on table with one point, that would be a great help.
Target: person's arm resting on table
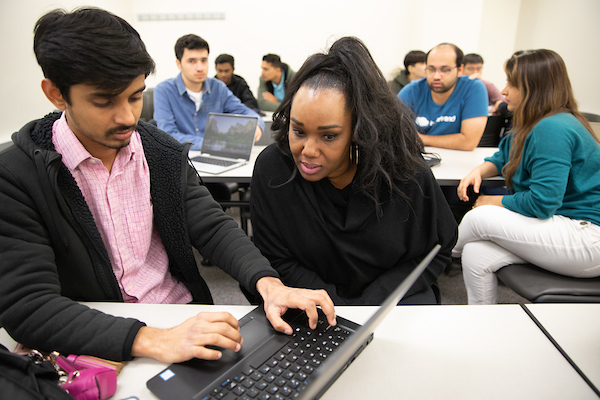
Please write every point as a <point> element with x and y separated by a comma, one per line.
<point>468,138</point>
<point>270,97</point>
<point>263,95</point>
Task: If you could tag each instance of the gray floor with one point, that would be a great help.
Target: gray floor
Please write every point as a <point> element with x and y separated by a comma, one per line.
<point>225,290</point>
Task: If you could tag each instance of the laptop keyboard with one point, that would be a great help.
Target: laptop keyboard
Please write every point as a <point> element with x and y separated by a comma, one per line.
<point>288,371</point>
<point>214,161</point>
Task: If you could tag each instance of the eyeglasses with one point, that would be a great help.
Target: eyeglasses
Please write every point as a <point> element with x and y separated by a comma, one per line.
<point>442,71</point>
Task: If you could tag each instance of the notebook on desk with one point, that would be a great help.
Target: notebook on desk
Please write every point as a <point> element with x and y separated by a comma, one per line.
<point>278,366</point>
<point>227,144</point>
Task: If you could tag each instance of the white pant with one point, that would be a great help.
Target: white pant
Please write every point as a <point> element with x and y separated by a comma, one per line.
<point>491,237</point>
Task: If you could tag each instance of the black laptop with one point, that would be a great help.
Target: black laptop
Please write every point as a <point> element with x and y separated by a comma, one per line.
<point>272,365</point>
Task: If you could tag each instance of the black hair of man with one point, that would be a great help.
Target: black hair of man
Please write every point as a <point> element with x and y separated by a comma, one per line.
<point>383,128</point>
<point>273,59</point>
<point>459,53</point>
<point>225,58</point>
<point>190,42</point>
<point>473,58</point>
<point>89,46</point>
<point>414,57</point>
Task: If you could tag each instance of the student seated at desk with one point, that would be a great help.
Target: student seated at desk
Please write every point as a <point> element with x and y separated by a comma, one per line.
<point>99,206</point>
<point>343,200</point>
<point>551,162</point>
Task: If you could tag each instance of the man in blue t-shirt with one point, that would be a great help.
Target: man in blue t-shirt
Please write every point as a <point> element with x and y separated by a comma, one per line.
<point>450,109</point>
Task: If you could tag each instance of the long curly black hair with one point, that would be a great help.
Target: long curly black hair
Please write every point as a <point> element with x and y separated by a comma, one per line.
<point>389,148</point>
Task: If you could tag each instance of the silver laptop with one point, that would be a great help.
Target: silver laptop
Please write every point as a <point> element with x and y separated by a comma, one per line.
<point>228,141</point>
<point>276,366</point>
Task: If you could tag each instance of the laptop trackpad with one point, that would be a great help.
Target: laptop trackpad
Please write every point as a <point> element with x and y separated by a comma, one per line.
<point>254,334</point>
<point>195,374</point>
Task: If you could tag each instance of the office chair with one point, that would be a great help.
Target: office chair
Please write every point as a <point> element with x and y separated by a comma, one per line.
<point>594,122</point>
<point>540,286</point>
<point>148,106</point>
<point>494,131</point>
<point>591,117</point>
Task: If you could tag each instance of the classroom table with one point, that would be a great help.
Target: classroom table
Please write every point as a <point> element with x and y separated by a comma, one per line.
<point>577,331</point>
<point>455,165</point>
<point>419,352</point>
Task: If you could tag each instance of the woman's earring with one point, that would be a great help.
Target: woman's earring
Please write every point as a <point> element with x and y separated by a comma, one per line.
<point>354,153</point>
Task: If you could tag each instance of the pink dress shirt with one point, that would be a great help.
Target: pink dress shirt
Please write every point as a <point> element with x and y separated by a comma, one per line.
<point>122,208</point>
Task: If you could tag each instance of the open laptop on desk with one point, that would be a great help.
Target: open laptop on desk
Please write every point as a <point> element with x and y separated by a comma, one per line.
<point>301,366</point>
<point>227,144</point>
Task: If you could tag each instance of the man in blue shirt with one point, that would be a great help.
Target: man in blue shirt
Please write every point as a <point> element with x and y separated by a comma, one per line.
<point>182,104</point>
<point>450,109</point>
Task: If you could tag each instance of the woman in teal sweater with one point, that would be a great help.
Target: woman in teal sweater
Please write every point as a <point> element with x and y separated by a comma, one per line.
<point>551,163</point>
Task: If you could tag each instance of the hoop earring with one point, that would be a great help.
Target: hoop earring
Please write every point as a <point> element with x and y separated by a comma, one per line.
<point>354,153</point>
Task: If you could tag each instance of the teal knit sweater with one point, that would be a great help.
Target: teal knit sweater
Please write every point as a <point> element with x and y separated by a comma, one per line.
<point>559,171</point>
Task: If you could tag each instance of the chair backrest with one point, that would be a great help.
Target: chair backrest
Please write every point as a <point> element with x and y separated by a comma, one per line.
<point>594,122</point>
<point>148,107</point>
<point>494,131</point>
<point>592,117</point>
<point>267,136</point>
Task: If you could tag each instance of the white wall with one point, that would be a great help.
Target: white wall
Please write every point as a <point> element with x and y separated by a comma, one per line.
<point>572,29</point>
<point>390,29</point>
<point>497,35</point>
<point>21,97</point>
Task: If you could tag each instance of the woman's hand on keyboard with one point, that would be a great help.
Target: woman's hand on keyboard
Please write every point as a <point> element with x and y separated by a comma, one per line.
<point>279,298</point>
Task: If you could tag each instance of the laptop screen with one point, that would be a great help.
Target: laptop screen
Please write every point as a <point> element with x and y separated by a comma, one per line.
<point>229,135</point>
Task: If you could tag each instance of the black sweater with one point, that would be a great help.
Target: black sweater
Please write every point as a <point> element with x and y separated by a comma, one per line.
<point>53,254</point>
<point>317,236</point>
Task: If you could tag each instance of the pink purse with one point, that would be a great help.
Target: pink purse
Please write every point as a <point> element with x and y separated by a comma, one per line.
<point>87,380</point>
<point>83,377</point>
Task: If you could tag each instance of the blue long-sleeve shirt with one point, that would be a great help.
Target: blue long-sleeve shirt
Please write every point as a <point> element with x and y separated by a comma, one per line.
<point>175,113</point>
<point>559,171</point>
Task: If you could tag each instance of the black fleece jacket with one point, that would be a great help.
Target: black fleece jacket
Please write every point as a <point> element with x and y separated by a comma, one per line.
<point>53,255</point>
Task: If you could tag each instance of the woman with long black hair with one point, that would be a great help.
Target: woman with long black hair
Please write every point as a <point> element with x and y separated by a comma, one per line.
<point>343,201</point>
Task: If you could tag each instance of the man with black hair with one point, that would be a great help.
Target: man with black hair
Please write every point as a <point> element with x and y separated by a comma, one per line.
<point>450,109</point>
<point>274,79</point>
<point>182,103</point>
<point>100,206</point>
<point>473,69</point>
<point>414,69</point>
<point>224,65</point>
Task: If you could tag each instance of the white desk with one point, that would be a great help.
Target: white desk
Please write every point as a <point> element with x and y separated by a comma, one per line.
<point>455,165</point>
<point>432,352</point>
<point>577,330</point>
